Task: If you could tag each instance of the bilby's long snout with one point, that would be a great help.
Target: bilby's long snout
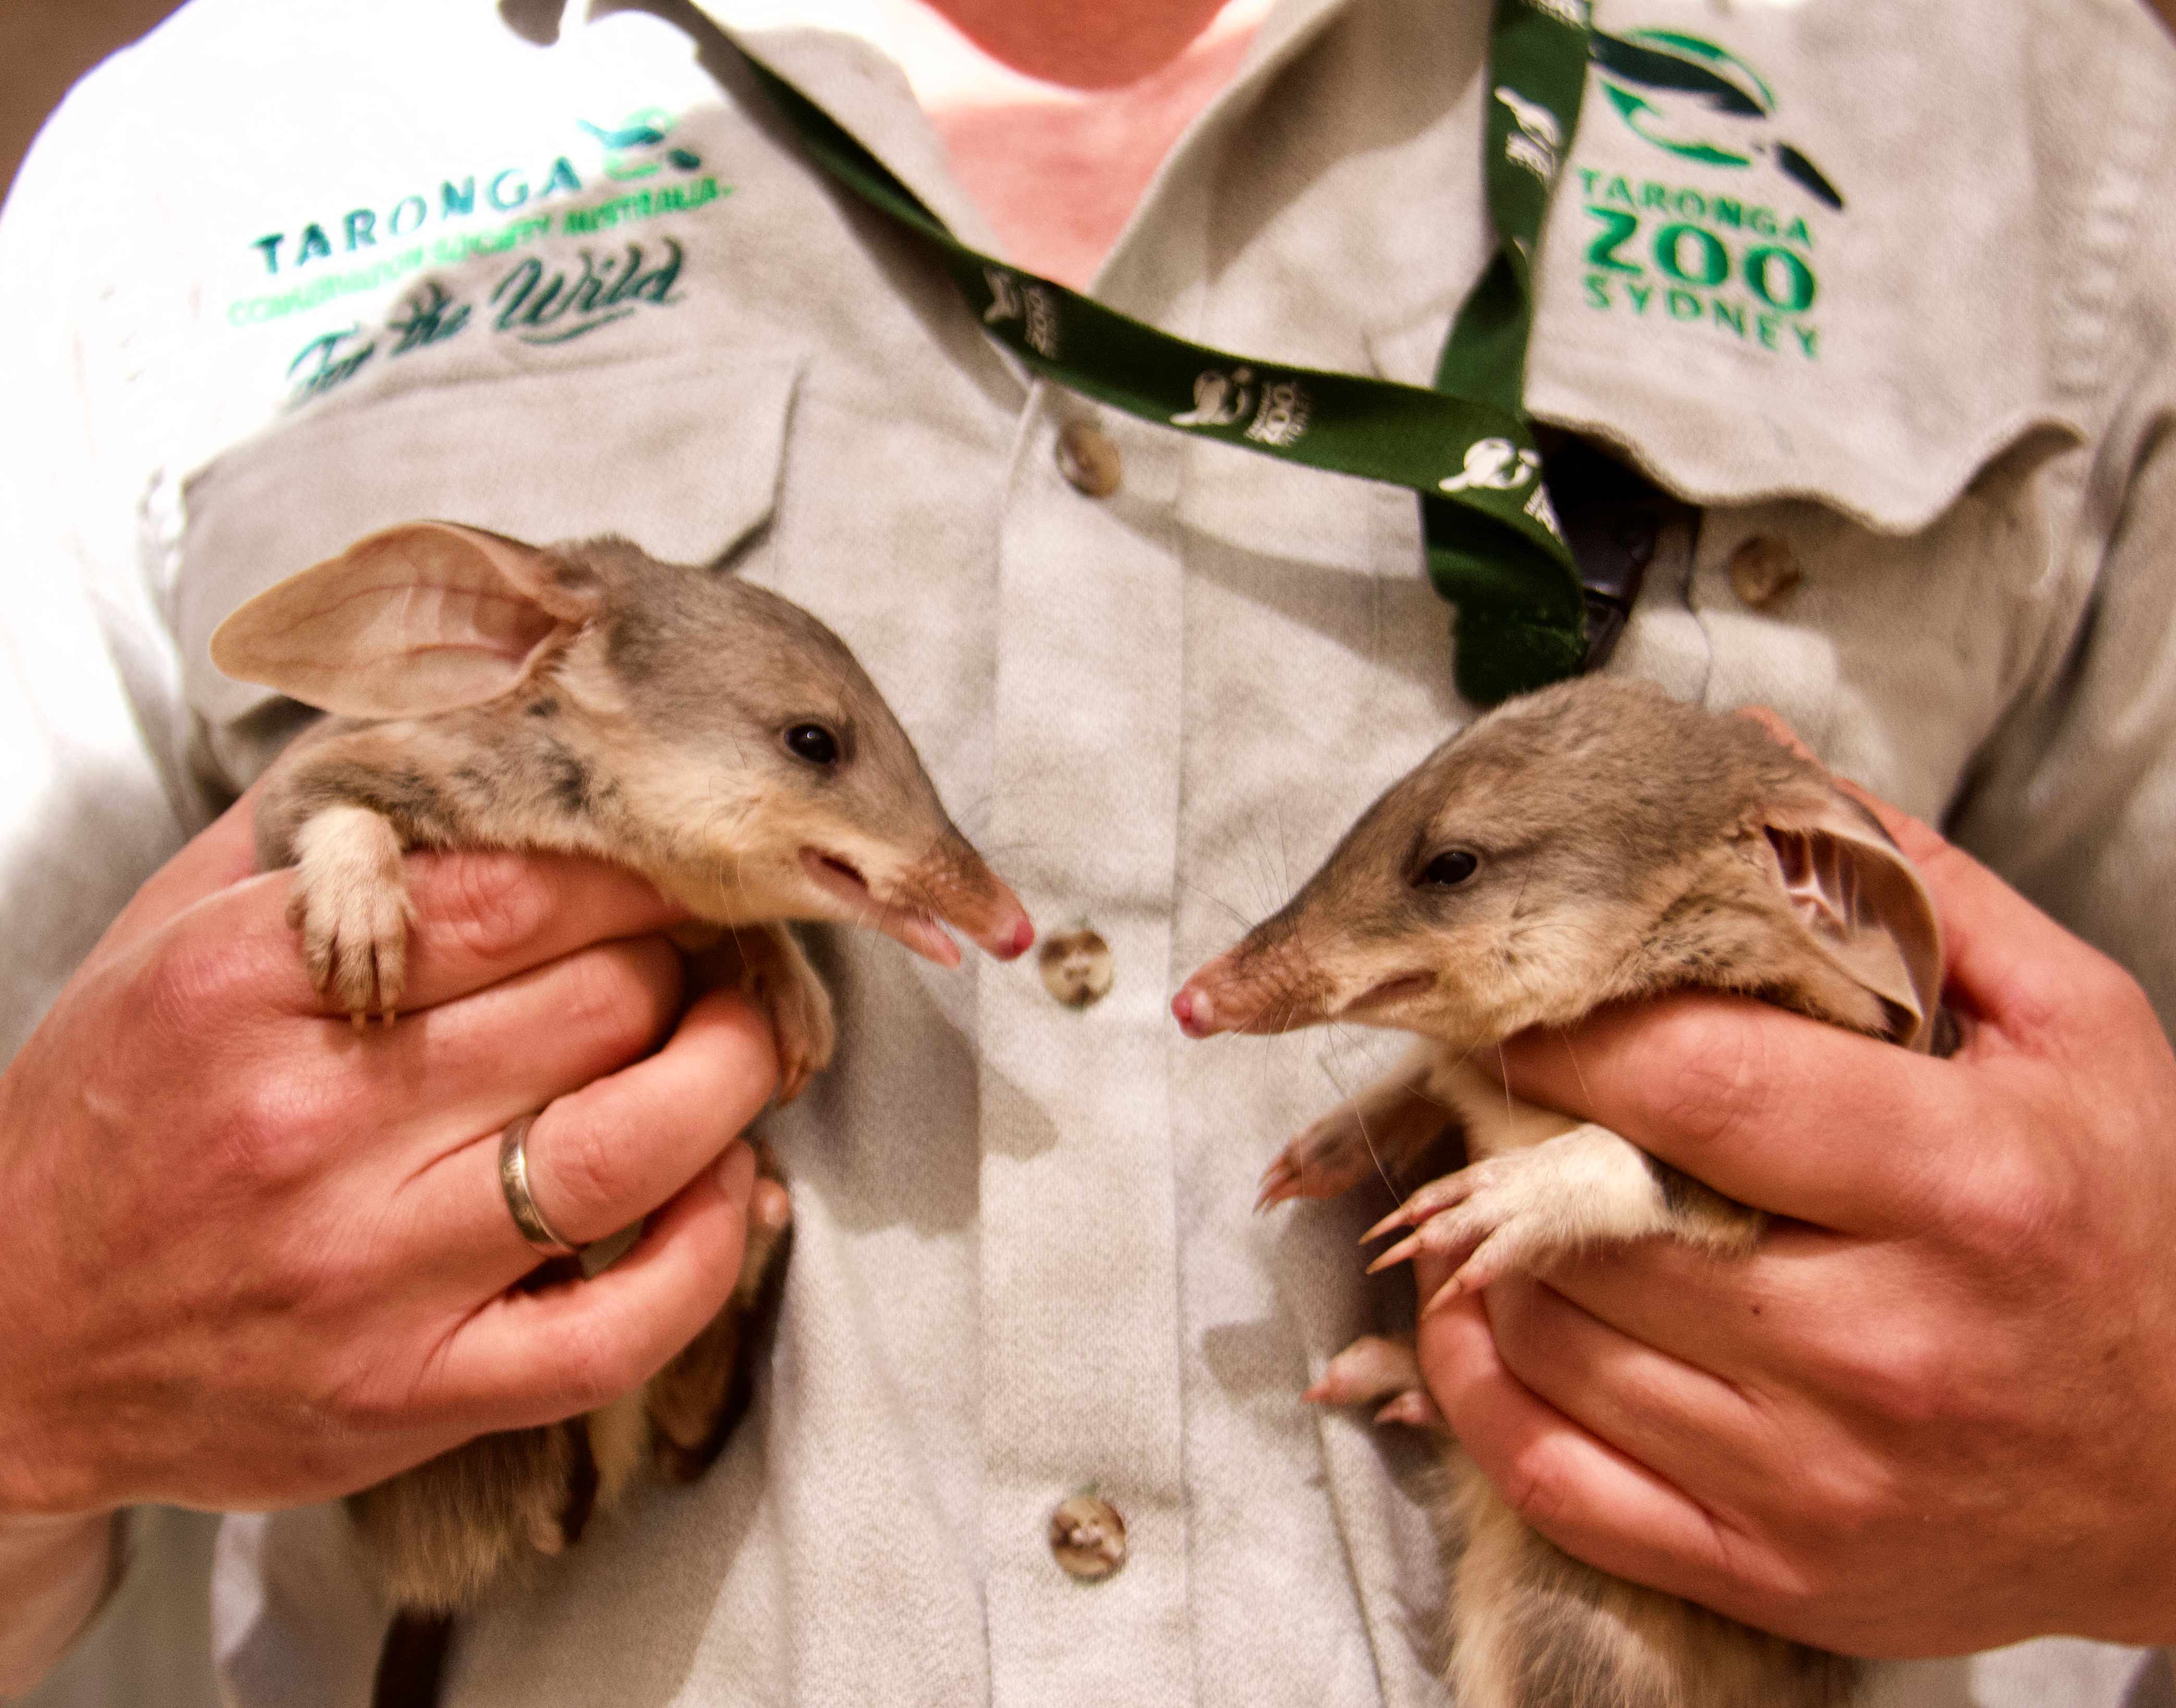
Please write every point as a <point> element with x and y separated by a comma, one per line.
<point>951,883</point>
<point>1257,986</point>
<point>1194,1008</point>
<point>954,882</point>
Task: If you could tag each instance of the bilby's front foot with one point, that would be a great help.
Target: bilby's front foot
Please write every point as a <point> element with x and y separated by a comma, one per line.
<point>1332,1156</point>
<point>1377,1135</point>
<point>351,903</point>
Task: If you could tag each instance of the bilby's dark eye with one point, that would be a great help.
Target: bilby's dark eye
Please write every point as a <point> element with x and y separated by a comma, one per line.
<point>812,742</point>
<point>1447,869</point>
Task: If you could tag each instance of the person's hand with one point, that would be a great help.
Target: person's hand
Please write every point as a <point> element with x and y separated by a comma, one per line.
<point>1936,1410</point>
<point>257,1258</point>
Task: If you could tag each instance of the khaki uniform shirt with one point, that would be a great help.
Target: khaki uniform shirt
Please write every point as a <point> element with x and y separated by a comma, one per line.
<point>293,270</point>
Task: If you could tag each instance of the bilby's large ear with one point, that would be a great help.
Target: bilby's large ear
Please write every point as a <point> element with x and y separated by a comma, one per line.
<point>417,619</point>
<point>1862,905</point>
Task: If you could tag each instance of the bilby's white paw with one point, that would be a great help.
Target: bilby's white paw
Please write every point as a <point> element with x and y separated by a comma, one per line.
<point>1522,1208</point>
<point>351,903</point>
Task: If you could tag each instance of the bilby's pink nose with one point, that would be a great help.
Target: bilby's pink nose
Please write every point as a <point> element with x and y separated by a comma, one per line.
<point>1010,944</point>
<point>1194,1012</point>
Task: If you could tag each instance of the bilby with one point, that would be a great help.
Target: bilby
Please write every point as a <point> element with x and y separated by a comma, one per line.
<point>584,697</point>
<point>1591,843</point>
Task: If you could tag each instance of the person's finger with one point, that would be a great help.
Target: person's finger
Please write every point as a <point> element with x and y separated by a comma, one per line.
<point>1769,1319</point>
<point>1667,1413</point>
<point>439,1078</point>
<point>479,917</point>
<point>2011,966</point>
<point>1772,720</point>
<point>2000,950</point>
<point>601,1157</point>
<point>397,1098</point>
<point>1785,1113</point>
<point>532,1358</point>
<point>1744,1314</point>
<point>1997,945</point>
<point>1804,1119</point>
<point>1583,1495</point>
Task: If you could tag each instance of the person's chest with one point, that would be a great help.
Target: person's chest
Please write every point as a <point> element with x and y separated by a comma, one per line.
<point>632,285</point>
<point>598,287</point>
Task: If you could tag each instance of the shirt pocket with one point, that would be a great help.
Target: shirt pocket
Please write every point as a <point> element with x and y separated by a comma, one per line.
<point>1895,656</point>
<point>1888,580</point>
<point>1845,318</point>
<point>680,456</point>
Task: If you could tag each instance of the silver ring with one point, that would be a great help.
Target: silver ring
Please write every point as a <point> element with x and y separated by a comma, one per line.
<point>513,1181</point>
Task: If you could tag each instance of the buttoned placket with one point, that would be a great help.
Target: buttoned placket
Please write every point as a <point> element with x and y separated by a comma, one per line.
<point>1081,1393</point>
<point>1081,1332</point>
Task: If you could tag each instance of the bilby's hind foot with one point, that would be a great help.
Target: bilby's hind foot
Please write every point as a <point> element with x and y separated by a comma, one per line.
<point>696,1401</point>
<point>1382,1371</point>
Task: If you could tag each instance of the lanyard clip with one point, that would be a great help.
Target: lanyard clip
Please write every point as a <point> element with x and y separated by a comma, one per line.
<point>1612,518</point>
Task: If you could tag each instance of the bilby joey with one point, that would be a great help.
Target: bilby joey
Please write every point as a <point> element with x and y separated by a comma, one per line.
<point>584,698</point>
<point>1593,843</point>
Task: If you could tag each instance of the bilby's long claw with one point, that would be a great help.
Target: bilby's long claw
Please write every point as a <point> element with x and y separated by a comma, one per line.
<point>1444,1295</point>
<point>1279,1182</point>
<point>1432,1199</point>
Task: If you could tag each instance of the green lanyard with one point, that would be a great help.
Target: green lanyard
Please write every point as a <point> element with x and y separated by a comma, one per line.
<point>1494,548</point>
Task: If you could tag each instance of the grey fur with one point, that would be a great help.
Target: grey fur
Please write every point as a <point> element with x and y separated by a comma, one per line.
<point>1625,846</point>
<point>708,667</point>
<point>637,712</point>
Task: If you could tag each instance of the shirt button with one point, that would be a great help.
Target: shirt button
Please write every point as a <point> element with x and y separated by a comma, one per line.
<point>1088,457</point>
<point>1076,968</point>
<point>1762,570</point>
<point>1088,1536</point>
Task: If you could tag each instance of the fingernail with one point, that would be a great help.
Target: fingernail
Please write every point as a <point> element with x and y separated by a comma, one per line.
<point>735,1171</point>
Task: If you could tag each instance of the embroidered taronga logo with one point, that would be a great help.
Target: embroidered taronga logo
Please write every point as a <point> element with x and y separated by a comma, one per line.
<point>1700,101</point>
